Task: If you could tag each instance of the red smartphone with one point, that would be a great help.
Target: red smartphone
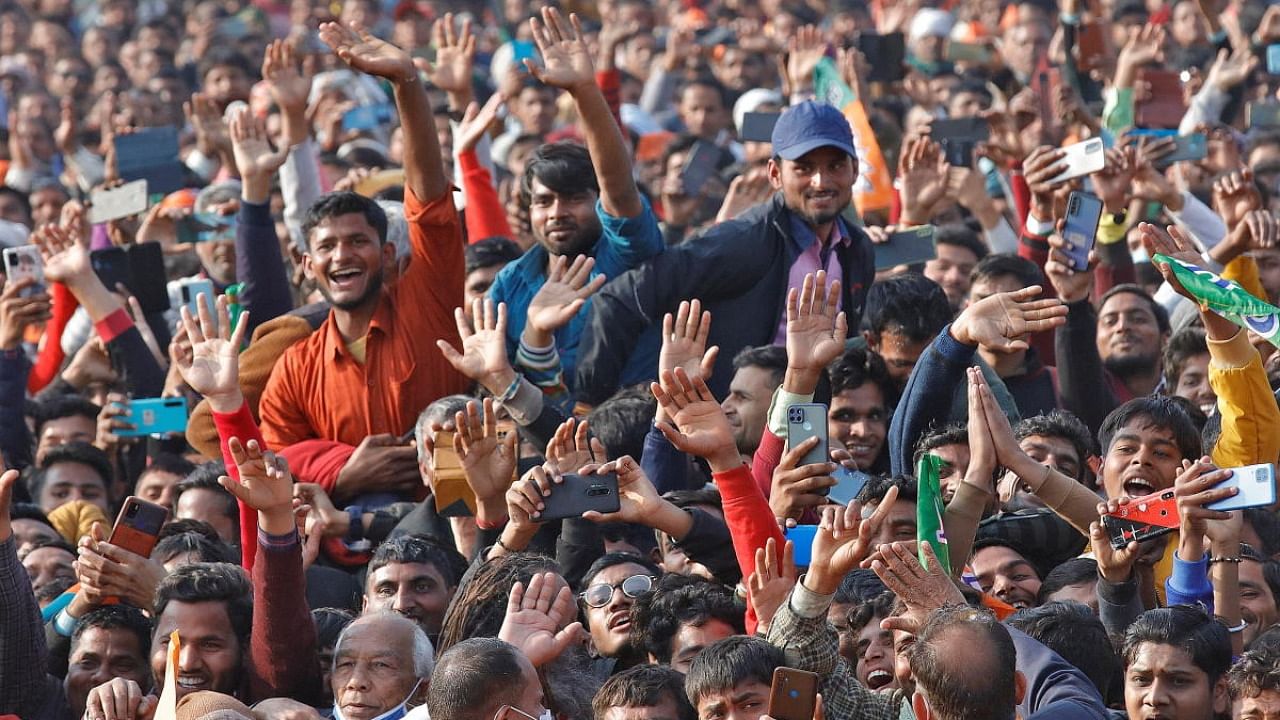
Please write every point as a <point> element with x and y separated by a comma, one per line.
<point>138,526</point>
<point>1091,47</point>
<point>1143,518</point>
<point>794,694</point>
<point>1163,106</point>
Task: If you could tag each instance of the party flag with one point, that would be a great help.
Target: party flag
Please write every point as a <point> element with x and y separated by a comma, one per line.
<point>168,706</point>
<point>929,510</point>
<point>873,189</point>
<point>1227,298</point>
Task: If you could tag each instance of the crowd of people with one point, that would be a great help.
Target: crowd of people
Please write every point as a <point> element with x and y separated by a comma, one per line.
<point>499,340</point>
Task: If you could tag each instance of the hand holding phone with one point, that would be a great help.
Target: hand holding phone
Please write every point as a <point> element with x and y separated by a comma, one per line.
<point>137,527</point>
<point>576,494</point>
<point>1142,519</point>
<point>1080,227</point>
<point>793,695</point>
<point>23,263</point>
<point>1082,158</point>
<point>805,421</point>
<point>1255,485</point>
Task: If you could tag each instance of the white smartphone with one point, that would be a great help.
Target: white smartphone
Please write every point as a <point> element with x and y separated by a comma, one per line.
<point>1257,484</point>
<point>187,292</point>
<point>119,202</point>
<point>24,262</point>
<point>1083,158</point>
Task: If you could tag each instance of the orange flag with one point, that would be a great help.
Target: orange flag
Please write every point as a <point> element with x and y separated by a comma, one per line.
<point>874,187</point>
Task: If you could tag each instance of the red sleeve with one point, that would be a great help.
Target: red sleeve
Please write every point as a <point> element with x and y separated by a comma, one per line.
<point>485,215</point>
<point>895,208</point>
<point>240,424</point>
<point>318,461</point>
<point>49,362</point>
<point>610,83</point>
<point>750,521</point>
<point>113,325</point>
<point>283,650</point>
<point>765,461</point>
<point>1021,195</point>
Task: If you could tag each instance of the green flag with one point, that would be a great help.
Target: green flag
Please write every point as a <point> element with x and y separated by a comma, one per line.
<point>929,510</point>
<point>1227,299</point>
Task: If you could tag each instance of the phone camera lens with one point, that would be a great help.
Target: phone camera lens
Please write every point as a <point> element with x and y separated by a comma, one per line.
<point>794,693</point>
<point>133,510</point>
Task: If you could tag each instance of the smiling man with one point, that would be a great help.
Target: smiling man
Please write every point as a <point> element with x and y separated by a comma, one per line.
<point>414,576</point>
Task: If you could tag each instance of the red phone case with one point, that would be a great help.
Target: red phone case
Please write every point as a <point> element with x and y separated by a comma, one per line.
<point>1142,519</point>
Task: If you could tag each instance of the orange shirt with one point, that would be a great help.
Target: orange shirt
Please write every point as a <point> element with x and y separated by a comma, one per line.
<point>318,390</point>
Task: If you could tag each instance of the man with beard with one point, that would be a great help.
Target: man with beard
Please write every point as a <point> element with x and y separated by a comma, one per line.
<point>581,201</point>
<point>742,269</point>
<point>361,379</point>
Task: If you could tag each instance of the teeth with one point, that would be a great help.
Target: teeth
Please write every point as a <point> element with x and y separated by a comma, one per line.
<point>190,682</point>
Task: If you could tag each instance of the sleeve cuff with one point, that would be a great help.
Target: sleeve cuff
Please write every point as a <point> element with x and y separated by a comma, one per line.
<point>778,409</point>
<point>1233,353</point>
<point>268,541</point>
<point>807,603</point>
<point>468,161</point>
<point>526,404</point>
<point>114,325</point>
<point>256,213</point>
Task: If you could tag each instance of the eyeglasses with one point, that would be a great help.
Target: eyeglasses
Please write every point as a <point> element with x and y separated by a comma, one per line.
<point>599,594</point>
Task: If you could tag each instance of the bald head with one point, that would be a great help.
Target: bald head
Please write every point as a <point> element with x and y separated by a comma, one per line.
<point>964,663</point>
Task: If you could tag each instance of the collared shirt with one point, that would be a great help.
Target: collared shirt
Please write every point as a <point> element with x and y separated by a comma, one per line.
<point>814,256</point>
<point>319,390</point>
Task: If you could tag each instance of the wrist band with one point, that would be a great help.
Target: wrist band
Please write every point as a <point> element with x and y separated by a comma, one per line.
<point>488,525</point>
<point>510,392</point>
<point>1238,628</point>
<point>503,545</point>
<point>1036,226</point>
<point>1224,559</point>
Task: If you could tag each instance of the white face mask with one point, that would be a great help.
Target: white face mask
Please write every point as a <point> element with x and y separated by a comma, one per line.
<point>394,713</point>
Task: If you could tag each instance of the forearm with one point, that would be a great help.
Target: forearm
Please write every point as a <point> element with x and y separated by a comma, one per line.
<point>15,436</point>
<point>300,187</point>
<point>264,282</point>
<point>927,398</point>
<point>137,365</point>
<point>1071,500</point>
<point>485,215</point>
<point>284,653</point>
<point>23,651</point>
<point>1119,604</point>
<point>423,165</point>
<point>49,361</point>
<point>238,423</point>
<point>1082,384</point>
<point>609,156</point>
<point>666,467</point>
<point>961,519</point>
<point>1245,403</point>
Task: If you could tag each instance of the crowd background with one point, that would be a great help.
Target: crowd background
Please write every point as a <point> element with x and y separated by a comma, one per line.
<point>420,270</point>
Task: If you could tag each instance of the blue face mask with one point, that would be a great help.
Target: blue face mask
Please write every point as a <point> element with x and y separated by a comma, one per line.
<point>545,715</point>
<point>394,713</point>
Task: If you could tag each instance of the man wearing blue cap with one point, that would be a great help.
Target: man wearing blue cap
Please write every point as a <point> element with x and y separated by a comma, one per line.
<point>741,269</point>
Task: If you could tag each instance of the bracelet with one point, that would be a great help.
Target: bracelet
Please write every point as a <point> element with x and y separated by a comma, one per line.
<point>1224,559</point>
<point>491,525</point>
<point>1238,628</point>
<point>503,545</point>
<point>511,390</point>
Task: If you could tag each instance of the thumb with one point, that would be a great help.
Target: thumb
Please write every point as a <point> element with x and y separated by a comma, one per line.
<point>567,637</point>
<point>235,487</point>
<point>381,440</point>
<point>900,622</point>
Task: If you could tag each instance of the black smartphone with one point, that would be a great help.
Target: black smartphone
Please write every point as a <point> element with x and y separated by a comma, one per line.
<point>959,138</point>
<point>580,493</point>
<point>906,247</point>
<point>699,166</point>
<point>887,55</point>
<point>140,268</point>
<point>758,126</point>
<point>849,485</point>
<point>151,154</point>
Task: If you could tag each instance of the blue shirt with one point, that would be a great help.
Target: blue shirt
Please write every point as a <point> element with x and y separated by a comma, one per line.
<point>625,243</point>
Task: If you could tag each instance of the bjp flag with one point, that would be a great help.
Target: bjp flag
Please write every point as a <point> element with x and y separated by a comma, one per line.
<point>874,188</point>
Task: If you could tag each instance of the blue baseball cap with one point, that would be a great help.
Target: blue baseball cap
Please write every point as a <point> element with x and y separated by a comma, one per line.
<point>808,126</point>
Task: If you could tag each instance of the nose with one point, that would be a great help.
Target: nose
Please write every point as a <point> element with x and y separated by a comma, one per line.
<point>357,680</point>
<point>189,658</point>
<point>1000,588</point>
<point>401,601</point>
<point>559,208</point>
<point>874,651</point>
<point>618,600</point>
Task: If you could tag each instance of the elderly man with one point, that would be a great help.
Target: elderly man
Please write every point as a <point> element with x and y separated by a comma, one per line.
<point>380,666</point>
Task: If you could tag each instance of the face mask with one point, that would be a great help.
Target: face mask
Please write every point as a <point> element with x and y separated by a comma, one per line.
<point>394,713</point>
<point>546,714</point>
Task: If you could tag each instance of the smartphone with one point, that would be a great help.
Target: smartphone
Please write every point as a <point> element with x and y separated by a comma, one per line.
<point>156,416</point>
<point>368,117</point>
<point>24,262</point>
<point>699,166</point>
<point>186,293</point>
<point>146,273</point>
<point>801,537</point>
<point>151,154</point>
<point>578,494</point>
<point>959,138</point>
<point>794,694</point>
<point>1081,227</point>
<point>1047,81</point>
<point>1164,106</point>
<point>964,52</point>
<point>1082,158</point>
<point>119,202</point>
<point>803,422</point>
<point>111,265</point>
<point>1143,518</point>
<point>522,50</point>
<point>718,35</point>
<point>138,526</point>
<point>1264,115</point>
<point>849,485</point>
<point>199,227</point>
<point>1273,59</point>
<point>1257,484</point>
<point>887,55</point>
<point>758,126</point>
<point>1187,148</point>
<point>906,247</point>
<point>232,28</point>
<point>1091,47</point>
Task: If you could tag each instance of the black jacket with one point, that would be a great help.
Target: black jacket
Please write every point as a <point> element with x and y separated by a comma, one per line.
<point>739,270</point>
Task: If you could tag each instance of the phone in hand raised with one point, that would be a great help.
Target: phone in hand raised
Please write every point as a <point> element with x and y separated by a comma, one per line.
<point>156,416</point>
<point>137,527</point>
<point>1142,519</point>
<point>21,263</point>
<point>1256,485</point>
<point>906,247</point>
<point>577,494</point>
<point>1082,158</point>
<point>1080,227</point>
<point>793,695</point>
<point>804,421</point>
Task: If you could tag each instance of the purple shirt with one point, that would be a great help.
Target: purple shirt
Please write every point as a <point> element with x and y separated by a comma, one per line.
<point>814,256</point>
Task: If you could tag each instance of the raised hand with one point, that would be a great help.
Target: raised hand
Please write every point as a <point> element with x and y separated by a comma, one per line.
<point>265,484</point>
<point>923,169</point>
<point>1115,565</point>
<point>476,122</point>
<point>65,257</point>
<point>799,487</point>
<point>566,59</point>
<point>483,357</point>
<point>698,425</point>
<point>804,51</point>
<point>1144,46</point>
<point>105,570</point>
<point>213,368</point>
<point>561,297</point>
<point>922,589</point>
<point>843,541</point>
<point>1231,69</point>
<point>455,58</point>
<point>745,191</point>
<point>535,615</point>
<point>1195,487</point>
<point>290,85</point>
<point>816,328</point>
<point>1172,244</point>
<point>569,450</point>
<point>684,341</point>
<point>368,54</point>
<point>1003,442</point>
<point>8,481</point>
<point>1235,195</point>
<point>770,585</point>
<point>1000,322</point>
<point>488,462</point>
<point>120,699</point>
<point>212,137</point>
<point>17,311</point>
<point>1070,285</point>
<point>1114,182</point>
<point>639,501</point>
<point>254,156</point>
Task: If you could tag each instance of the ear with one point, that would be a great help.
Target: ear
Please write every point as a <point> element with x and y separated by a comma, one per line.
<point>775,174</point>
<point>388,255</point>
<point>1221,698</point>
<point>920,706</point>
<point>1019,686</point>
<point>1095,466</point>
<point>873,340</point>
<point>308,271</point>
<point>424,469</point>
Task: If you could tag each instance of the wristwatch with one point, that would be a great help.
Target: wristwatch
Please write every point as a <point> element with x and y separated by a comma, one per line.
<point>355,531</point>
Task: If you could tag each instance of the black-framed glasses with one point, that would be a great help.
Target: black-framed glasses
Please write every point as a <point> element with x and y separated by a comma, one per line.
<point>598,595</point>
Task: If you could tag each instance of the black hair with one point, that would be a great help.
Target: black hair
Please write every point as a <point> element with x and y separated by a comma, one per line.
<point>189,525</point>
<point>975,684</point>
<point>1188,628</point>
<point>171,463</point>
<point>1073,631</point>
<point>1076,571</point>
<point>1270,569</point>
<point>707,81</point>
<point>490,251</point>
<point>643,686</point>
<point>1265,524</point>
<point>621,424</point>
<point>73,452</point>
<point>18,196</point>
<point>480,603</point>
<point>910,304</point>
<point>878,486</point>
<point>953,434</point>
<point>677,600</point>
<point>734,660</point>
<point>211,582</point>
<point>46,542</point>
<point>336,204</point>
<point>29,511</point>
<point>976,87</point>
<point>857,586</point>
<point>685,499</point>
<point>999,265</point>
<point>472,675</point>
<point>1158,411</point>
<point>116,617</point>
<point>564,167</point>
<point>224,56</point>
<point>203,548</point>
<point>880,606</point>
<point>609,560</point>
<point>1162,315</point>
<point>420,550</point>
<point>1183,345</point>
<point>767,357</point>
<point>205,477</point>
<point>1258,669</point>
<point>856,367</point>
<point>61,406</point>
<point>961,235</point>
<point>1060,424</point>
<point>330,622</point>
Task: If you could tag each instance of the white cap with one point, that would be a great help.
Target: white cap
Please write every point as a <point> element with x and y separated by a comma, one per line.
<point>931,22</point>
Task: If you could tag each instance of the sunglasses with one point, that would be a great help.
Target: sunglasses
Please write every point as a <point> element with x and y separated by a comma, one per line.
<point>599,594</point>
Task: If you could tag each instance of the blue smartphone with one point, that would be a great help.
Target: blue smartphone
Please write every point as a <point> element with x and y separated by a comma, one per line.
<point>1273,59</point>
<point>522,50</point>
<point>368,117</point>
<point>1083,213</point>
<point>802,537</point>
<point>1187,147</point>
<point>156,416</point>
<point>849,485</point>
<point>186,292</point>
<point>151,154</point>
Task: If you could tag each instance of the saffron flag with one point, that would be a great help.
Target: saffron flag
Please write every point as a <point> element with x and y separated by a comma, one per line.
<point>168,705</point>
<point>929,511</point>
<point>873,190</point>
<point>1227,298</point>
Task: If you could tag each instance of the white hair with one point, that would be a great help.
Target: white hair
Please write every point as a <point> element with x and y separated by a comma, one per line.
<point>424,653</point>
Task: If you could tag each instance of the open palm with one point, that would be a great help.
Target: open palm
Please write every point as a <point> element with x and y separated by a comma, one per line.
<point>565,56</point>
<point>65,257</point>
<point>564,293</point>
<point>701,427</point>
<point>534,618</point>
<point>455,54</point>
<point>484,349</point>
<point>368,54</point>
<point>999,321</point>
<point>213,368</point>
<point>289,86</point>
<point>816,331</point>
<point>488,462</point>
<point>265,483</point>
